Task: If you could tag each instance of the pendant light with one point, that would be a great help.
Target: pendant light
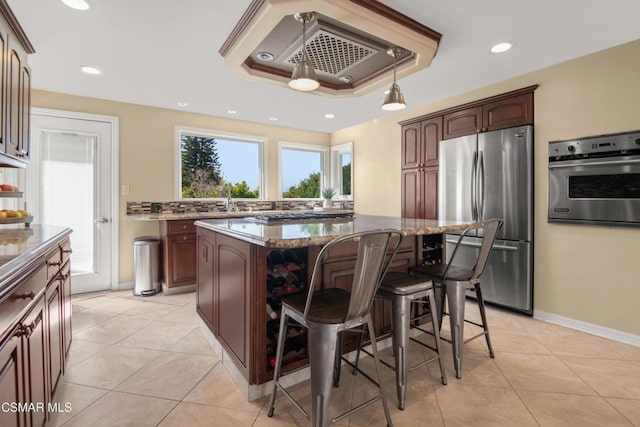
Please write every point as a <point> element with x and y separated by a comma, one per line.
<point>303,77</point>
<point>395,99</point>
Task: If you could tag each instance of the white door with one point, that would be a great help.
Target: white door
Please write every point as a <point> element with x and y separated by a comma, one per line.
<point>69,182</point>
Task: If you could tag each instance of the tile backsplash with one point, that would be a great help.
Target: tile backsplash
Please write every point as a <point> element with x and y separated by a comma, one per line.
<point>185,206</point>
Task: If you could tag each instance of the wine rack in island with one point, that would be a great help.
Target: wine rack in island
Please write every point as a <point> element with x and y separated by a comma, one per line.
<point>286,273</point>
<point>432,249</point>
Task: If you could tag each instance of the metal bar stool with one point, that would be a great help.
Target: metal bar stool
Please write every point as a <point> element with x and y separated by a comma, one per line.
<point>404,290</point>
<point>454,281</point>
<point>328,312</point>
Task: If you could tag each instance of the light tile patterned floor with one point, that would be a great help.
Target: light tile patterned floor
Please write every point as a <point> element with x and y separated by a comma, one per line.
<point>143,362</point>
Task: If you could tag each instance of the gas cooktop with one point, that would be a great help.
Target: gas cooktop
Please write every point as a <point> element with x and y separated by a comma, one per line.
<point>298,216</point>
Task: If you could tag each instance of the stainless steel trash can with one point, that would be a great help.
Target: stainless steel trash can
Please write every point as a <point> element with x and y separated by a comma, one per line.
<point>146,266</point>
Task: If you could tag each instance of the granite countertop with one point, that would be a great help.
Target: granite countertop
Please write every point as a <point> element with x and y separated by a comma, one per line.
<point>311,232</point>
<point>211,215</point>
<point>19,245</point>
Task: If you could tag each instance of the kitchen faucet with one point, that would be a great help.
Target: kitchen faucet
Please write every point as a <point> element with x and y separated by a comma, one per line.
<point>229,200</point>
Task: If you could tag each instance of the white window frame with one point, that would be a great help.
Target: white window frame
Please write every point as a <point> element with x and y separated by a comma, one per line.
<point>336,168</point>
<point>262,159</point>
<point>325,164</point>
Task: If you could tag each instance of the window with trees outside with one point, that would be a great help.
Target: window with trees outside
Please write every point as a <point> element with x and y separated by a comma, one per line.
<point>303,170</point>
<point>213,164</point>
<point>341,169</point>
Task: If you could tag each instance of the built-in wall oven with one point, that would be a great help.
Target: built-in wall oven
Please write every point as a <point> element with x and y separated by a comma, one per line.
<point>595,180</point>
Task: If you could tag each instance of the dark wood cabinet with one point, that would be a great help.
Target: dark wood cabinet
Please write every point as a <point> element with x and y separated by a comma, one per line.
<point>420,143</point>
<point>53,298</point>
<point>509,112</point>
<point>65,287</point>
<point>204,295</point>
<point>232,285</point>
<point>35,355</point>
<point>499,113</point>
<point>224,294</point>
<point>11,380</point>
<point>33,335</point>
<point>16,90</point>
<point>420,193</point>
<point>464,122</point>
<point>179,255</point>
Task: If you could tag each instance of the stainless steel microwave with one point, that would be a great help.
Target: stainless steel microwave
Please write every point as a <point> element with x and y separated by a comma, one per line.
<point>595,180</point>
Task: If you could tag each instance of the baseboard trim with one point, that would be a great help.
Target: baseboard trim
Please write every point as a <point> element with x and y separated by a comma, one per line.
<point>123,285</point>
<point>589,328</point>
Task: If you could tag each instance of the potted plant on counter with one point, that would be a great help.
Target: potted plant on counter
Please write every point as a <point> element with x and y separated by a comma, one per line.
<point>327,195</point>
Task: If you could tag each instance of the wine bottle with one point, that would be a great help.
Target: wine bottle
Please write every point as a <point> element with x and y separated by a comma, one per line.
<point>271,313</point>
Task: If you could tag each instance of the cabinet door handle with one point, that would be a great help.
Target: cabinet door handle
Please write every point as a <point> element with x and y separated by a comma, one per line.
<point>29,295</point>
<point>67,251</point>
<point>185,237</point>
<point>54,263</point>
<point>26,330</point>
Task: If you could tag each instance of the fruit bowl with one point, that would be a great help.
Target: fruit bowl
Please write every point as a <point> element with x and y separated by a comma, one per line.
<point>17,220</point>
<point>11,193</point>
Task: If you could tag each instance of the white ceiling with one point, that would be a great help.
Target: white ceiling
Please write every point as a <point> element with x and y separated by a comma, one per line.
<point>160,52</point>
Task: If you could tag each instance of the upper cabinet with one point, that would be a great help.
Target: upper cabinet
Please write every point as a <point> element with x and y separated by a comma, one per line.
<point>15,90</point>
<point>420,143</point>
<point>496,113</point>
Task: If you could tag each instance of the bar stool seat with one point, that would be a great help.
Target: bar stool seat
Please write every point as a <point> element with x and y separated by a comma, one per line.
<point>403,290</point>
<point>329,305</point>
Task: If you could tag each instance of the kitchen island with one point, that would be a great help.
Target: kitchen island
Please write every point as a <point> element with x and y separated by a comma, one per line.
<point>243,265</point>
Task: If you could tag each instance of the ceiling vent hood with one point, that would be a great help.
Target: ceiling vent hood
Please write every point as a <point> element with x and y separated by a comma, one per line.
<point>347,43</point>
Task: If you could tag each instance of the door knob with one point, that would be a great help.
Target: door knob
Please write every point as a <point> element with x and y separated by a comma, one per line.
<point>101,221</point>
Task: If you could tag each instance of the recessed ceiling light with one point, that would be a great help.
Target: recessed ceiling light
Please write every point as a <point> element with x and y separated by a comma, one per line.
<point>232,112</point>
<point>329,116</point>
<point>345,79</point>
<point>264,56</point>
<point>182,104</point>
<point>501,47</point>
<point>90,69</point>
<point>273,119</point>
<point>77,4</point>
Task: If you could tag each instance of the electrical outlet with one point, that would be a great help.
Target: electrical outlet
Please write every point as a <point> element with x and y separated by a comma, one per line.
<point>125,190</point>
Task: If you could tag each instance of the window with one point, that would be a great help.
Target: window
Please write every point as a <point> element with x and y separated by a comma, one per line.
<point>341,170</point>
<point>303,170</point>
<point>210,164</point>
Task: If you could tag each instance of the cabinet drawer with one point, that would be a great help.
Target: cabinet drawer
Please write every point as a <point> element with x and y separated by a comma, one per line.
<point>182,226</point>
<point>53,263</point>
<point>65,248</point>
<point>24,294</point>
<point>349,249</point>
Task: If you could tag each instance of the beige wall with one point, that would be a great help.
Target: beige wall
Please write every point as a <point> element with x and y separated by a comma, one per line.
<point>147,153</point>
<point>587,273</point>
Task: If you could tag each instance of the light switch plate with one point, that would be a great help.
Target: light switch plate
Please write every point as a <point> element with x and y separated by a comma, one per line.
<point>125,190</point>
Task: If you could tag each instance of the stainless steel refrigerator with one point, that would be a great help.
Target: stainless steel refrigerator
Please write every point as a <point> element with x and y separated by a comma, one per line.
<point>490,175</point>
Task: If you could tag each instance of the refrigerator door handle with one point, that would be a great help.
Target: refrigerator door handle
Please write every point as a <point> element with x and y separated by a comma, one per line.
<point>480,190</point>
<point>474,204</point>
<point>478,245</point>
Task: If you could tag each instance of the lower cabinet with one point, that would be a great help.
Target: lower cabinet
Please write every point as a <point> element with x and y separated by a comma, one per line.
<point>11,380</point>
<point>226,275</point>
<point>34,359</point>
<point>54,332</point>
<point>232,285</point>
<point>204,291</point>
<point>179,255</point>
<point>33,350</point>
